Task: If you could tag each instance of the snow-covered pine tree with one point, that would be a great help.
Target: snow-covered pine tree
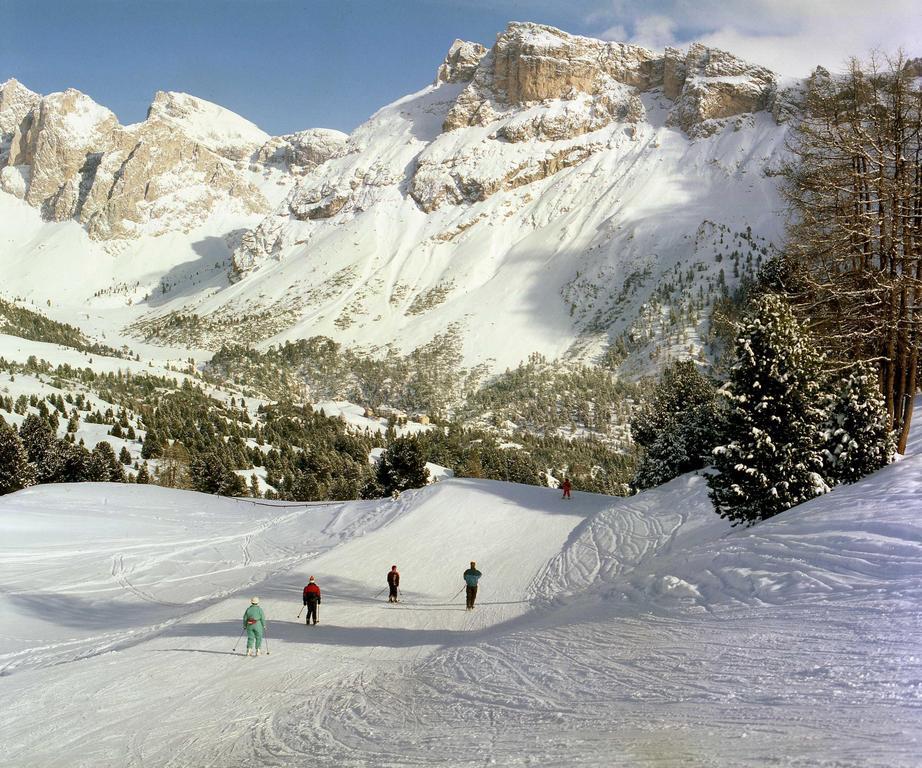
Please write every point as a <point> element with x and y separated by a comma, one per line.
<point>772,459</point>
<point>401,466</point>
<point>857,437</point>
<point>678,427</point>
<point>15,471</point>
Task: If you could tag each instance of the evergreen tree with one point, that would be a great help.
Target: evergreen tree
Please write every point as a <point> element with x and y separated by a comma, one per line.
<point>772,459</point>
<point>75,464</point>
<point>104,466</point>
<point>210,474</point>
<point>857,435</point>
<point>152,447</point>
<point>46,453</point>
<point>678,427</point>
<point>143,477</point>
<point>15,471</point>
<point>401,466</point>
<point>124,456</point>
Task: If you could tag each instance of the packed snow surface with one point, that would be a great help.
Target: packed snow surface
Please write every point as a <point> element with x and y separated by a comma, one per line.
<point>626,632</point>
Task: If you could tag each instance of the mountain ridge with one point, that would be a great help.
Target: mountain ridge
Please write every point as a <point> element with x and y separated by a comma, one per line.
<point>549,186</point>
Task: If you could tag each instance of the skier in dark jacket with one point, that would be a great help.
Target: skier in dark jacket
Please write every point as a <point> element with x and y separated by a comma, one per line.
<point>393,581</point>
<point>471,577</point>
<point>311,600</point>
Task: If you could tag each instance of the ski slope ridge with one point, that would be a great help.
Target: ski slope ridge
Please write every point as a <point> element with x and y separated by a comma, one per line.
<point>636,632</point>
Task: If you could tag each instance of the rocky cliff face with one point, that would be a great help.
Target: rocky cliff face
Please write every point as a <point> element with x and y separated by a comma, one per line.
<point>299,153</point>
<point>460,63</point>
<point>16,101</point>
<point>70,157</point>
<point>545,87</point>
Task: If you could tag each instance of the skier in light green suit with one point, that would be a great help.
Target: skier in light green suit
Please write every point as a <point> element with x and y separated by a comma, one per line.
<point>254,622</point>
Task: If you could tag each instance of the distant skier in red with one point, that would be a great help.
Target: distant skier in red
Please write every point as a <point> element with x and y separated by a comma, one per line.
<point>565,486</point>
<point>311,600</point>
<point>393,581</point>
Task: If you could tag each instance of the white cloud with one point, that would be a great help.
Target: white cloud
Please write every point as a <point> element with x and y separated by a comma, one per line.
<point>789,36</point>
<point>654,31</point>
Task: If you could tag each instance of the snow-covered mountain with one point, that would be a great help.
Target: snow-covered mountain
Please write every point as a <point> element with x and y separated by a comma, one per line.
<point>554,193</point>
<point>617,632</point>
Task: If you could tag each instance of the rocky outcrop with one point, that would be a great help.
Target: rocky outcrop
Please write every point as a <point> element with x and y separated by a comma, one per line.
<point>157,180</point>
<point>460,62</point>
<point>318,202</point>
<point>62,141</point>
<point>70,157</point>
<point>16,102</point>
<point>601,82</point>
<point>299,153</point>
<point>474,173</point>
<point>218,129</point>
<point>710,84</point>
<point>16,105</point>
<point>561,120</point>
<point>531,63</point>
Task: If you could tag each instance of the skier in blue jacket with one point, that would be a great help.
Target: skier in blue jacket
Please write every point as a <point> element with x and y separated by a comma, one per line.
<point>471,577</point>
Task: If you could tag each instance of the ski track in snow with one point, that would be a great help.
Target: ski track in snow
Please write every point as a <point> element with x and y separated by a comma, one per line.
<point>608,632</point>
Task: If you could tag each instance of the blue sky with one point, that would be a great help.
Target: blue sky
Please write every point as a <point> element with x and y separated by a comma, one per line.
<point>289,65</point>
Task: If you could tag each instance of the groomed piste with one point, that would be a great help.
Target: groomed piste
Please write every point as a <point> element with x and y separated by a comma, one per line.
<point>618,632</point>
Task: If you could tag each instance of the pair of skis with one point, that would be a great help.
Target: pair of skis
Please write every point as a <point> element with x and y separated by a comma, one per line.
<point>265,637</point>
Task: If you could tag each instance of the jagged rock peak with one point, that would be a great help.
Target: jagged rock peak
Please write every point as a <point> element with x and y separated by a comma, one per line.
<point>710,84</point>
<point>460,62</point>
<point>534,62</point>
<point>16,101</point>
<point>70,158</point>
<point>214,127</point>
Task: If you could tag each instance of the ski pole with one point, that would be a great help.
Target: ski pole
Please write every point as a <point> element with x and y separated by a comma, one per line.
<point>379,594</point>
<point>239,639</point>
<point>266,638</point>
<point>458,592</point>
<point>300,612</point>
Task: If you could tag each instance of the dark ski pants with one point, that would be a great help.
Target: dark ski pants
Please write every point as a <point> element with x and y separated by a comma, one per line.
<point>471,596</point>
<point>312,610</point>
<point>393,594</point>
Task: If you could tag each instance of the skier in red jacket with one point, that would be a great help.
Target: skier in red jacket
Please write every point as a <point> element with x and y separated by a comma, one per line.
<point>565,486</point>
<point>393,581</point>
<point>311,600</point>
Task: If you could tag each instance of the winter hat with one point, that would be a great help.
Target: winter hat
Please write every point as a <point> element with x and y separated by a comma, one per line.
<point>254,601</point>
<point>311,578</point>
<point>473,564</point>
<point>393,567</point>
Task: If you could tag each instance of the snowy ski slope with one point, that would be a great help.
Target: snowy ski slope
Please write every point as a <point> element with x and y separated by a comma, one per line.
<point>625,632</point>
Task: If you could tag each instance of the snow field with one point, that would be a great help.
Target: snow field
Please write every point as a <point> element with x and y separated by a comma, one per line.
<point>608,632</point>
